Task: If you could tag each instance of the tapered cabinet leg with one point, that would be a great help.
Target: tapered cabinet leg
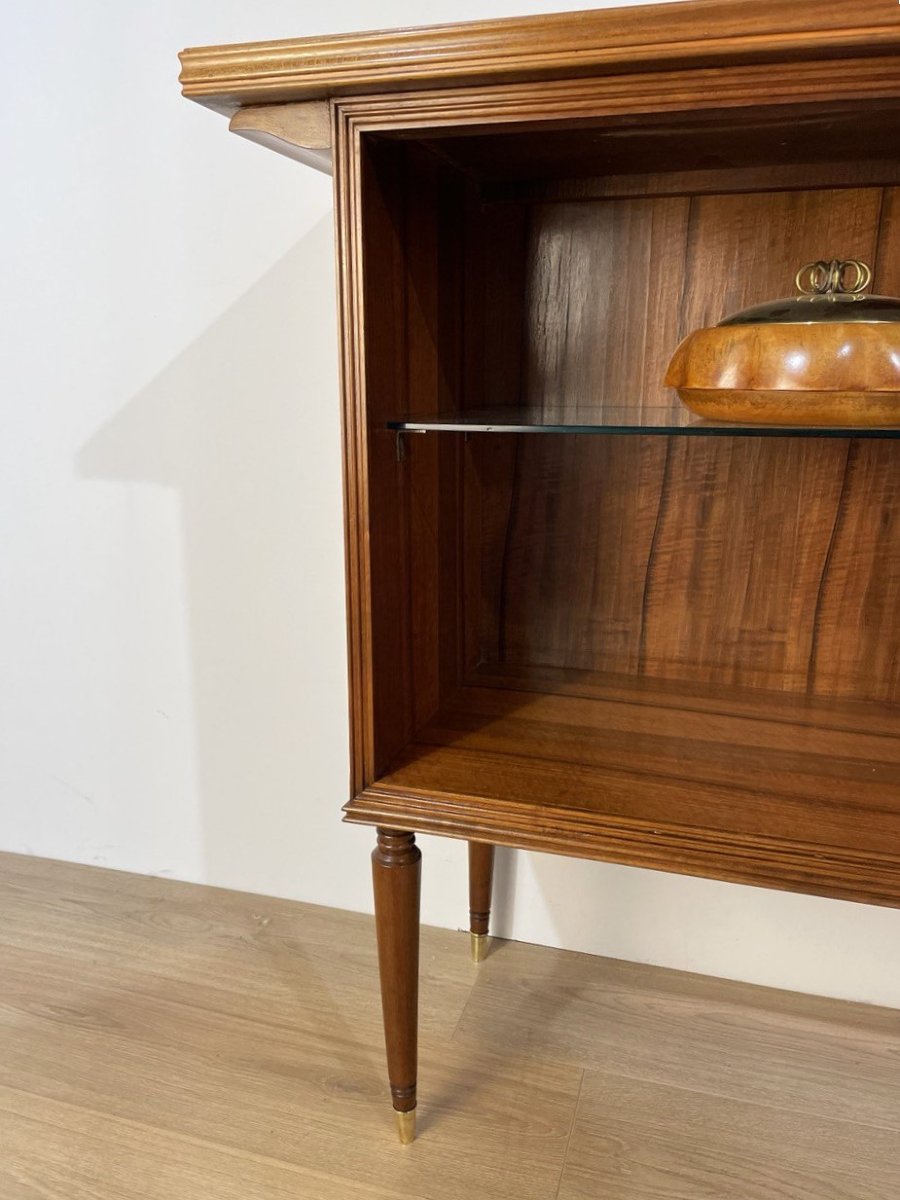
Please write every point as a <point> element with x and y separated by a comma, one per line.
<point>396,875</point>
<point>481,879</point>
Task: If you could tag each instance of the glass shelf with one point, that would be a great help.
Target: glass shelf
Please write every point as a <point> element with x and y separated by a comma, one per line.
<point>611,419</point>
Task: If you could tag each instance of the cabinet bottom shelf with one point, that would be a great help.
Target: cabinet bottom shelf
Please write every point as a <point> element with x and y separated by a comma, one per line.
<point>758,787</point>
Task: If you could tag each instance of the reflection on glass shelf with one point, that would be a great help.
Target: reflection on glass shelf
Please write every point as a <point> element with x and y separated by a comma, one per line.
<point>615,419</point>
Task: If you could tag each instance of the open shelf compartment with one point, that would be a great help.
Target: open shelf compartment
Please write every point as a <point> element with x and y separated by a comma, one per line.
<point>675,651</point>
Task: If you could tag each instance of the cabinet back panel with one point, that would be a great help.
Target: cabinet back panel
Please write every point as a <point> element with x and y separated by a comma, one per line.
<point>614,285</point>
<point>759,562</point>
<point>769,563</point>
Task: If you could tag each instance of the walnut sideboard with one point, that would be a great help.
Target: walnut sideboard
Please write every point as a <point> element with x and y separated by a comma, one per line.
<point>580,619</point>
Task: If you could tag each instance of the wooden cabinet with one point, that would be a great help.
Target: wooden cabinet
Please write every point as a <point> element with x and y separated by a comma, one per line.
<point>581,619</point>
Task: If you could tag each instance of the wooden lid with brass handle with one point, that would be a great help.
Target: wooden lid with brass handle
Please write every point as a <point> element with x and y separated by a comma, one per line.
<point>828,356</point>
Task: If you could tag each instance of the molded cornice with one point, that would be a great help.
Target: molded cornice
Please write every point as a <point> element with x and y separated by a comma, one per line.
<point>692,33</point>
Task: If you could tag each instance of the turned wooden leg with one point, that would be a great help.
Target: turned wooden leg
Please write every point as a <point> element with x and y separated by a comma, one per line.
<point>396,875</point>
<point>481,877</point>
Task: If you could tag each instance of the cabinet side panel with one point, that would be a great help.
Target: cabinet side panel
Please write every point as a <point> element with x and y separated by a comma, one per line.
<point>431,467</point>
<point>412,289</point>
<point>386,530</point>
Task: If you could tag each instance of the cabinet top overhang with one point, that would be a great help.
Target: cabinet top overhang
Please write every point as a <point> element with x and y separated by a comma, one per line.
<point>557,45</point>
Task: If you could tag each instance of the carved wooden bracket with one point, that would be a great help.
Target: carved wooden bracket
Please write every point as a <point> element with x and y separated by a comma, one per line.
<point>301,131</point>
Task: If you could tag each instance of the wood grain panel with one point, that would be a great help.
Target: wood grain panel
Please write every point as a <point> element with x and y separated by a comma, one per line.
<point>489,489</point>
<point>857,635</point>
<point>658,763</point>
<point>801,711</point>
<point>857,632</point>
<point>494,364</point>
<point>702,559</point>
<point>761,149</point>
<point>887,256</point>
<point>420,468</point>
<point>413,280</point>
<point>496,333</point>
<point>603,295</point>
<point>744,249</point>
<point>430,467</point>
<point>693,559</point>
<point>573,571</point>
<point>718,179</point>
<point>741,543</point>
<point>745,531</point>
<point>384,590</point>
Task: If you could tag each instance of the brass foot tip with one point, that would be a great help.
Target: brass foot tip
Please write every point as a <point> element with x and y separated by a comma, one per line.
<point>406,1126</point>
<point>478,943</point>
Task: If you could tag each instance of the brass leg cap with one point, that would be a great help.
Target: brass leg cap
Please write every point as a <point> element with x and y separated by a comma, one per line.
<point>478,942</point>
<point>406,1126</point>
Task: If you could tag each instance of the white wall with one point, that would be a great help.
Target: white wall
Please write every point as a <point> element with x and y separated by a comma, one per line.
<point>172,665</point>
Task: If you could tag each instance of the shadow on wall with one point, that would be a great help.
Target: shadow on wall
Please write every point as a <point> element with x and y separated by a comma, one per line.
<point>244,424</point>
<point>579,904</point>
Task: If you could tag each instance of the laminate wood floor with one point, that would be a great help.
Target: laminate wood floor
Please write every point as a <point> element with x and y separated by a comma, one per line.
<point>161,1041</point>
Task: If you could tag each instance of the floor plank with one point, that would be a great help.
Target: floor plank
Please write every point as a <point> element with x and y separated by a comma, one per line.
<point>789,1051</point>
<point>266,1045</point>
<point>640,1141</point>
<point>84,1156</point>
<point>159,1039</point>
<point>257,947</point>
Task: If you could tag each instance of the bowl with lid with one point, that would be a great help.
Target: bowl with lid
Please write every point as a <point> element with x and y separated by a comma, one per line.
<point>828,356</point>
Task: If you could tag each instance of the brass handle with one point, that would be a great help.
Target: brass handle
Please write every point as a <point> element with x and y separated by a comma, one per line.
<point>831,278</point>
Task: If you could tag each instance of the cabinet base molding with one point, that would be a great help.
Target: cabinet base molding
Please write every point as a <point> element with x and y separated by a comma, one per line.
<point>758,861</point>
